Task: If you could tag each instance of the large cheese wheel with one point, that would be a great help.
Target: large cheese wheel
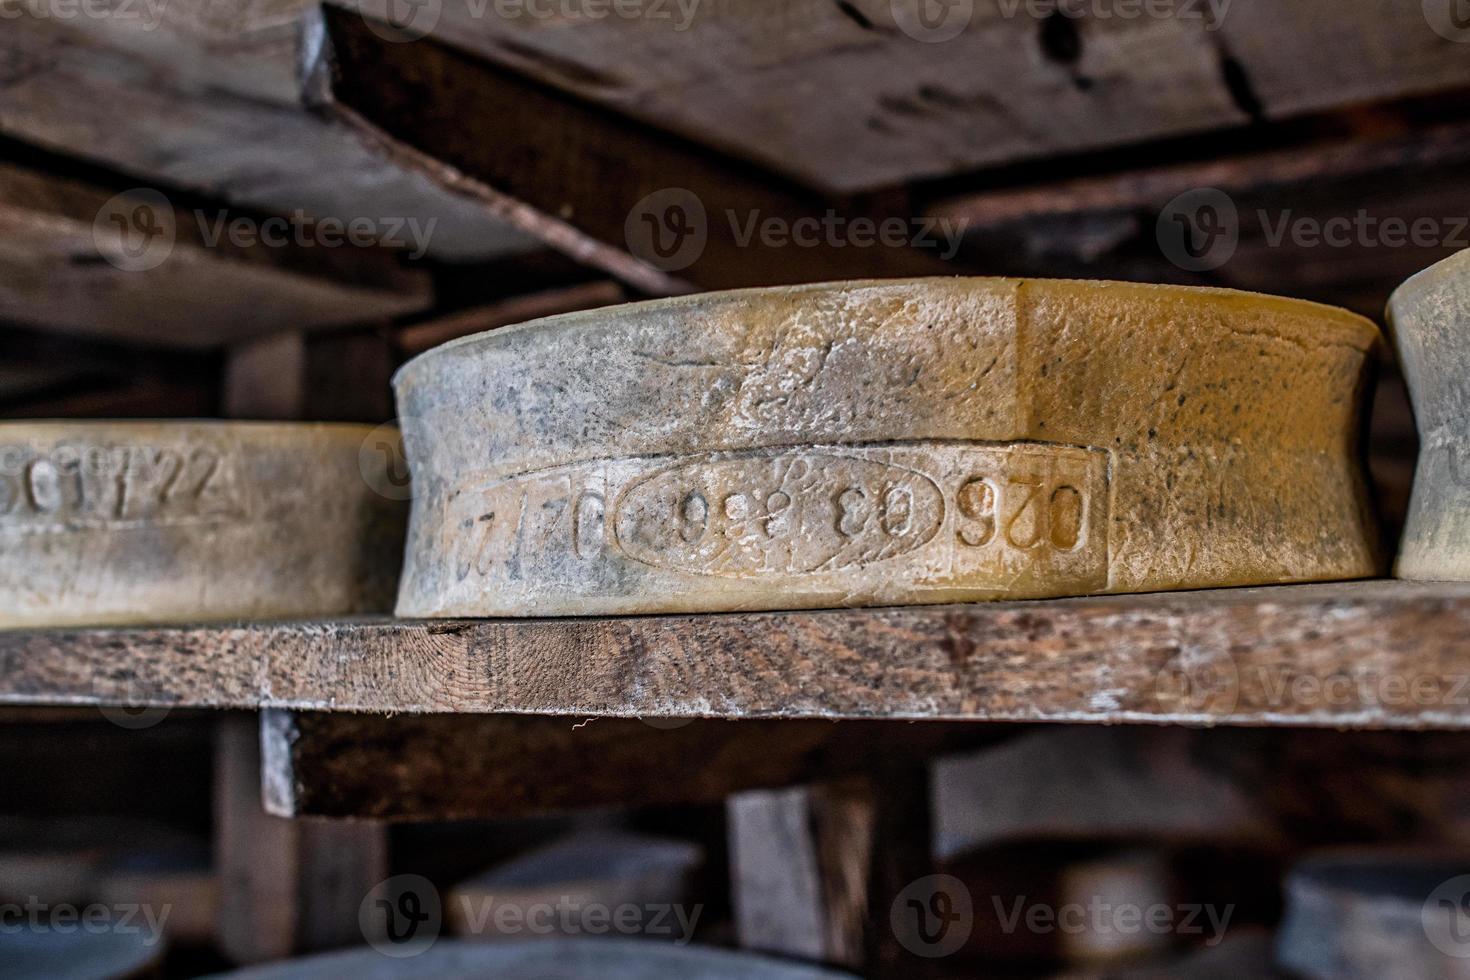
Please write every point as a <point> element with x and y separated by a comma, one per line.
<point>1429,317</point>
<point>886,442</point>
<point>143,522</point>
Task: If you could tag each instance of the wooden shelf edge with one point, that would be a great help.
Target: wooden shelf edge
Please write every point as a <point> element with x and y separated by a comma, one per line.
<point>1376,654</point>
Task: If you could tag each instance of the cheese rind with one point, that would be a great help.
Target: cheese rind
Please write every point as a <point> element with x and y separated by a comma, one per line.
<point>1429,318</point>
<point>150,522</point>
<point>885,442</point>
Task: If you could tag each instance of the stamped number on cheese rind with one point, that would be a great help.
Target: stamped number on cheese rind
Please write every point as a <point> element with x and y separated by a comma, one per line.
<point>72,487</point>
<point>938,514</point>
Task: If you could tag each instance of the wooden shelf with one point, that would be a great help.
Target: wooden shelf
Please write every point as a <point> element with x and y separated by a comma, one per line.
<point>1381,654</point>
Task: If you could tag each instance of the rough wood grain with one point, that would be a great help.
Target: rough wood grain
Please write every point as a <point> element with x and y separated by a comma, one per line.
<point>866,443</point>
<point>285,886</point>
<point>1370,654</point>
<point>1430,321</point>
<point>657,212</point>
<point>454,767</point>
<point>847,96</point>
<point>212,96</point>
<point>73,256</point>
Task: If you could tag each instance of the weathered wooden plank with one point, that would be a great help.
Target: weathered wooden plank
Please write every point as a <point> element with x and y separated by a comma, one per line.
<point>208,97</point>
<point>1387,170</point>
<point>858,95</point>
<point>285,886</point>
<point>447,767</point>
<point>1368,654</point>
<point>656,211</point>
<point>76,257</point>
<point>799,861</point>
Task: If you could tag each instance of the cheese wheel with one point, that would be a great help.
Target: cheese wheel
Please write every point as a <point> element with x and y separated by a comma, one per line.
<point>150,522</point>
<point>864,443</point>
<point>1429,317</point>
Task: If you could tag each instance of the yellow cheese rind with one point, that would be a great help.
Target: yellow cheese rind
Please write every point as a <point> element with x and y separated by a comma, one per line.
<point>886,442</point>
<point>163,522</point>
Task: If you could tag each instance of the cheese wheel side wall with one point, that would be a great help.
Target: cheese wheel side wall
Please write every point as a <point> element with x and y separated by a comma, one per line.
<point>886,442</point>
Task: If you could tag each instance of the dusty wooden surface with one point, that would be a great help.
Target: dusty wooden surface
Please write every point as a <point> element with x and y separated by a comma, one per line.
<point>867,443</point>
<point>214,98</point>
<point>1367,654</point>
<point>128,522</point>
<point>871,93</point>
<point>1430,321</point>
<point>74,256</point>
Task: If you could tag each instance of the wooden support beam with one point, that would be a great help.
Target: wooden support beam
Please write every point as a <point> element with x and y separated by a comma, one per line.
<point>871,93</point>
<point>76,257</point>
<point>285,886</point>
<point>208,98</point>
<point>1378,654</point>
<point>656,211</point>
<point>799,861</point>
<point>1372,184</point>
<point>449,767</point>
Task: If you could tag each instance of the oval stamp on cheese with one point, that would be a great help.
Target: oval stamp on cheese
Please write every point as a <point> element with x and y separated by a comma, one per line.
<point>872,443</point>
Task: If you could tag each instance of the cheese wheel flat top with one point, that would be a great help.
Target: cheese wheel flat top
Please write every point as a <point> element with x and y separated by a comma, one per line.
<point>886,442</point>
<point>145,522</point>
